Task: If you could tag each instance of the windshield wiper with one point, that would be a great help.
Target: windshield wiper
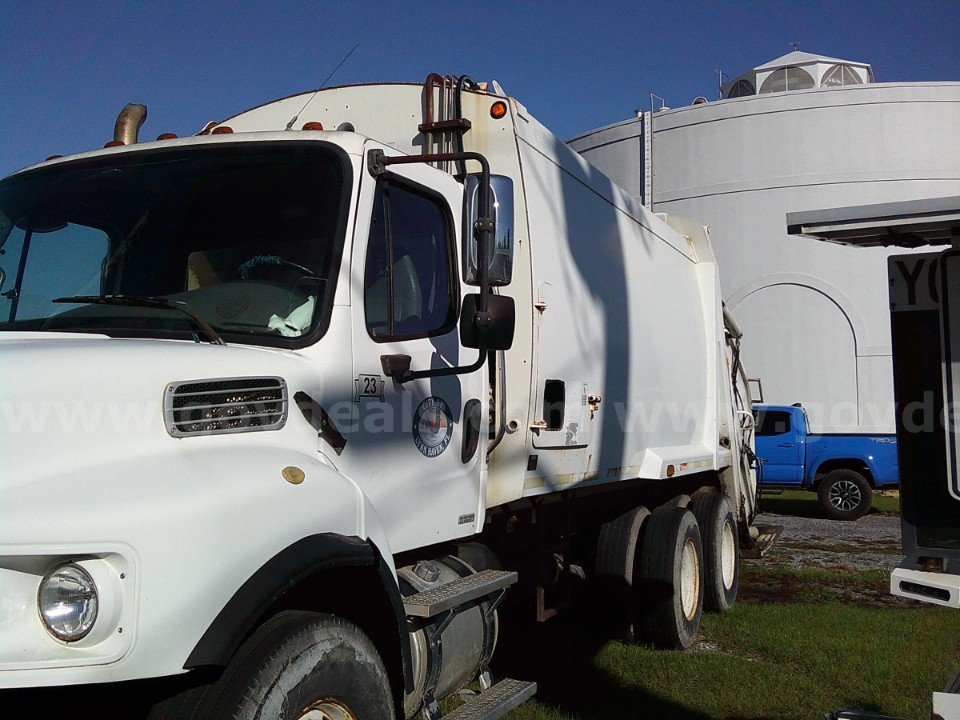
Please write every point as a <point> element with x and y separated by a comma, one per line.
<point>149,302</point>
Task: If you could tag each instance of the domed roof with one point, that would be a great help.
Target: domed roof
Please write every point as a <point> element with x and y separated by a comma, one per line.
<point>798,70</point>
<point>798,57</point>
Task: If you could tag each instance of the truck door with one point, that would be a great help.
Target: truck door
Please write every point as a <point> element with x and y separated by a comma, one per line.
<point>416,448</point>
<point>779,447</point>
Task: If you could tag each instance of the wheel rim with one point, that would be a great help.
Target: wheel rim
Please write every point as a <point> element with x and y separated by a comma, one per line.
<point>844,495</point>
<point>689,579</point>
<point>328,709</point>
<point>728,555</point>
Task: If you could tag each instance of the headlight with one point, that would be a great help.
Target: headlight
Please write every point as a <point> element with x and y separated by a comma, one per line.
<point>68,602</point>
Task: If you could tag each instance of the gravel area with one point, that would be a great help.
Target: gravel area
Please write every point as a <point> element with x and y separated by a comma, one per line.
<point>870,543</point>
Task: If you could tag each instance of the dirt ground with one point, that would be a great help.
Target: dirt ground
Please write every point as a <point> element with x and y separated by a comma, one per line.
<point>826,560</point>
<point>870,543</point>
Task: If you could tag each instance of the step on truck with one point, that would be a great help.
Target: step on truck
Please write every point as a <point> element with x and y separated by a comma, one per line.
<point>843,470</point>
<point>289,405</point>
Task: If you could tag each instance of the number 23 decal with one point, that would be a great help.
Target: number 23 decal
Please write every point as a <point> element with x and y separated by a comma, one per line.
<point>368,386</point>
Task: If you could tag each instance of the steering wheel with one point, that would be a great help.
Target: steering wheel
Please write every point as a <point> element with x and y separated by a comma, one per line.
<point>245,268</point>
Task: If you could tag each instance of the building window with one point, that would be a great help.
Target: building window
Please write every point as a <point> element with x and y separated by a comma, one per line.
<point>741,88</point>
<point>841,75</point>
<point>409,285</point>
<point>788,78</point>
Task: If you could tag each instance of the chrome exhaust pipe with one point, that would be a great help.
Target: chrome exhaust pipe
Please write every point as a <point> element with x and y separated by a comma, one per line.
<point>129,122</point>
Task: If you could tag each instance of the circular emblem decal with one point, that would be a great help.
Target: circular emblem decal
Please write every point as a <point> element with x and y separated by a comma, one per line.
<point>432,427</point>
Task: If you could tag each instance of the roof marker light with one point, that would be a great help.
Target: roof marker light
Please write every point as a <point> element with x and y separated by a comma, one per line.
<point>498,110</point>
<point>53,157</point>
<point>221,130</point>
<point>313,125</point>
<point>167,136</point>
<point>115,143</point>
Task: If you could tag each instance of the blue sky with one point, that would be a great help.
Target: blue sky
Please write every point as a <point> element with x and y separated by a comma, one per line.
<point>67,68</point>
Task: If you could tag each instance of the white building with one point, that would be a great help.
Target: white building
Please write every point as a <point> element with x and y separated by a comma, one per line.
<point>820,133</point>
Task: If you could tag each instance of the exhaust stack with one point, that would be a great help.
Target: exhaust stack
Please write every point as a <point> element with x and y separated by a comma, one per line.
<point>129,122</point>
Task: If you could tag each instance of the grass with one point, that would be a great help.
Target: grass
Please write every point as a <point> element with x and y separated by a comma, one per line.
<point>804,504</point>
<point>796,658</point>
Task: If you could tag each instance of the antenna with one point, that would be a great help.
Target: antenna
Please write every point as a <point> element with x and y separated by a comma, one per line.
<point>795,45</point>
<point>720,73</point>
<point>322,86</point>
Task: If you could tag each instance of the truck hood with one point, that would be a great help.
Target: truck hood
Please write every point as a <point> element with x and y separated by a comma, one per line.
<point>70,401</point>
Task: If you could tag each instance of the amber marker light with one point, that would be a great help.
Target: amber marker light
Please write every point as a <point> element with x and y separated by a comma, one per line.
<point>670,470</point>
<point>53,157</point>
<point>498,110</point>
<point>222,130</point>
<point>313,125</point>
<point>115,143</point>
<point>167,136</point>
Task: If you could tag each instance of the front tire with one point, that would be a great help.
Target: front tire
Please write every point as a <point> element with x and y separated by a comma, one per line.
<point>721,551</point>
<point>845,495</point>
<point>303,666</point>
<point>671,578</point>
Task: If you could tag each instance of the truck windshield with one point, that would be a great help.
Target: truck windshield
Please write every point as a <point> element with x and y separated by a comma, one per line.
<point>246,234</point>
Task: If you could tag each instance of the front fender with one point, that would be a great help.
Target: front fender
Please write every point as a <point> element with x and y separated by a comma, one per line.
<point>193,524</point>
<point>284,570</point>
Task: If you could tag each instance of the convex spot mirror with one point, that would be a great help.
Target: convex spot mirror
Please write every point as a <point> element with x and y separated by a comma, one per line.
<point>501,253</point>
<point>502,320</point>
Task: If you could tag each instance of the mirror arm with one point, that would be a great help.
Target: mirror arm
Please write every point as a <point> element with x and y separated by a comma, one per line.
<point>377,162</point>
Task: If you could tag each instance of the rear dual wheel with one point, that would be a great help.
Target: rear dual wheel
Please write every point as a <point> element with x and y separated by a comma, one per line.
<point>671,579</point>
<point>721,550</point>
<point>658,572</point>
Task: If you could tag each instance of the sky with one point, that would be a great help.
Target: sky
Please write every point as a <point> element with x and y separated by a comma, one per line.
<point>67,68</point>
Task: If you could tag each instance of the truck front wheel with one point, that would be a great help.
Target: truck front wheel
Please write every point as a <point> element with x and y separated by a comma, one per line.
<point>671,578</point>
<point>298,666</point>
<point>845,495</point>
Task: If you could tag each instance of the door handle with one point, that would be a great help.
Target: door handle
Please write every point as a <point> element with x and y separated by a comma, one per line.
<point>786,445</point>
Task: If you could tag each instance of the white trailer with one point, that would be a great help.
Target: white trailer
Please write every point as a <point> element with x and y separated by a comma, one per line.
<point>271,431</point>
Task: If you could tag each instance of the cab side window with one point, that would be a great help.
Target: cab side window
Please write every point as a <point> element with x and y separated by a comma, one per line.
<point>409,284</point>
<point>772,422</point>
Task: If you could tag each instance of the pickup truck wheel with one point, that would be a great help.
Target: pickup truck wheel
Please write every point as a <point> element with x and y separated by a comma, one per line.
<point>845,495</point>
<point>671,578</point>
<point>721,551</point>
<point>303,666</point>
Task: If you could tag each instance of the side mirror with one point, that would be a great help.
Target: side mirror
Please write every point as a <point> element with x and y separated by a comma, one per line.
<point>502,319</point>
<point>500,260</point>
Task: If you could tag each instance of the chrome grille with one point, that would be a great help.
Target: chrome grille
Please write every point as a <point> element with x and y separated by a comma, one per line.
<point>230,405</point>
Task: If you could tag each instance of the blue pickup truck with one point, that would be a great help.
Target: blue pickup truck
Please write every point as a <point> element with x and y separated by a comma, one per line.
<point>842,469</point>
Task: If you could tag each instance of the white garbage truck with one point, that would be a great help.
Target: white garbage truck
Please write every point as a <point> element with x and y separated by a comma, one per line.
<point>288,405</point>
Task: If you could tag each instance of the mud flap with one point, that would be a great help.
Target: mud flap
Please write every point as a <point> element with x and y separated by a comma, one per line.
<point>761,539</point>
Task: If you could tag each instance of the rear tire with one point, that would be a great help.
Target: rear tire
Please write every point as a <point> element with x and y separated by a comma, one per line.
<point>845,495</point>
<point>297,666</point>
<point>618,555</point>
<point>721,551</point>
<point>671,578</point>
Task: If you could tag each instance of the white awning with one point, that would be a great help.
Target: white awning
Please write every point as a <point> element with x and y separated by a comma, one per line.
<point>910,223</point>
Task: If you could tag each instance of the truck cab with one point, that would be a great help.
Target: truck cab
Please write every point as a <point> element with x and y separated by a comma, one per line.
<point>843,470</point>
